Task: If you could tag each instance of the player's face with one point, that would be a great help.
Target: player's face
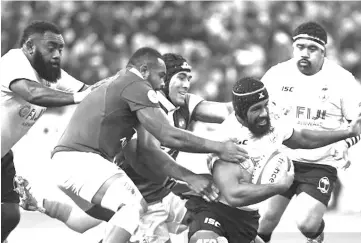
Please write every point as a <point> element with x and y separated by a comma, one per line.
<point>157,74</point>
<point>309,56</point>
<point>47,56</point>
<point>178,87</point>
<point>258,119</point>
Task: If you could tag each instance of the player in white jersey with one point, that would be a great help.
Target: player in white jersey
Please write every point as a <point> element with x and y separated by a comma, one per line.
<point>314,93</point>
<point>31,81</point>
<point>261,133</point>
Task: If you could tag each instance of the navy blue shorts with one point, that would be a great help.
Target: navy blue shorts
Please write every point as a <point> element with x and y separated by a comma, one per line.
<point>316,180</point>
<point>236,225</point>
<point>8,172</point>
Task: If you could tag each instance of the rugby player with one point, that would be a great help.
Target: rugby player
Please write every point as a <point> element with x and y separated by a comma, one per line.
<point>31,81</point>
<point>315,93</point>
<point>103,123</point>
<point>166,211</point>
<point>262,133</point>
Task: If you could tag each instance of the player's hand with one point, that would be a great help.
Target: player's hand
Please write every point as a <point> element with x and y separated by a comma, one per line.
<point>339,152</point>
<point>231,152</point>
<point>285,181</point>
<point>204,186</point>
<point>355,127</point>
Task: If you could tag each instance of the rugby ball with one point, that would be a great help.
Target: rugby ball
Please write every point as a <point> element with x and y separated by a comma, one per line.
<point>270,170</point>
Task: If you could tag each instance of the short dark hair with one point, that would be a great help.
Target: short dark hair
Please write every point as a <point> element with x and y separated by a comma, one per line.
<point>39,27</point>
<point>143,55</point>
<point>312,29</point>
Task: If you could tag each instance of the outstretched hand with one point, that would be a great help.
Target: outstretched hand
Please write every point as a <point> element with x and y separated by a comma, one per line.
<point>231,152</point>
<point>355,126</point>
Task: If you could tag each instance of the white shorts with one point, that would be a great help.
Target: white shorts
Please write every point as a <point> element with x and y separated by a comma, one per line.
<point>163,217</point>
<point>82,173</point>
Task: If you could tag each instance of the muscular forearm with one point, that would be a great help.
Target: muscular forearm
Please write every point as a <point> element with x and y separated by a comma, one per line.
<point>315,139</point>
<point>188,142</point>
<point>162,164</point>
<point>52,99</point>
<point>247,194</point>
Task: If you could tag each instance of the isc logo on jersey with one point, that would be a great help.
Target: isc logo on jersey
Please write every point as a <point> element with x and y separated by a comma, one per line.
<point>219,239</point>
<point>270,171</point>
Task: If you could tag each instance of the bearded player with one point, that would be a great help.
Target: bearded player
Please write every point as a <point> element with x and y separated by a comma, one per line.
<point>262,133</point>
<point>31,81</point>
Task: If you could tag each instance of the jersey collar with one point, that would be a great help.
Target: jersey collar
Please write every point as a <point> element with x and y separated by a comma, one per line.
<point>136,72</point>
<point>166,103</point>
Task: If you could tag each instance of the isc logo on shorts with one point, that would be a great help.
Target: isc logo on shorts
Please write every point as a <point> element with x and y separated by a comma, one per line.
<point>220,239</point>
<point>212,222</point>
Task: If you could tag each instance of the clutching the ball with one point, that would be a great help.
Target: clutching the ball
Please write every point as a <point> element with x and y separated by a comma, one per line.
<point>269,170</point>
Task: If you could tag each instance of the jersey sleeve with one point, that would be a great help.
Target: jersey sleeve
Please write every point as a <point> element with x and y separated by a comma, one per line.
<point>285,128</point>
<point>139,95</point>
<point>14,66</point>
<point>269,79</point>
<point>192,101</point>
<point>351,98</point>
<point>224,132</point>
<point>68,83</point>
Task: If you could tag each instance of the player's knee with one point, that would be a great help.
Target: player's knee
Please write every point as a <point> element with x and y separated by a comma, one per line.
<point>270,219</point>
<point>203,236</point>
<point>57,210</point>
<point>123,192</point>
<point>308,228</point>
<point>127,217</point>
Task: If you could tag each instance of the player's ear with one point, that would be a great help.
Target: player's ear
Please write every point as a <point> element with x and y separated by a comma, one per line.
<point>29,46</point>
<point>144,70</point>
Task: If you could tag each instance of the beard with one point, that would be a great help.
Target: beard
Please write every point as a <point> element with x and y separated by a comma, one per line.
<point>46,70</point>
<point>260,131</point>
<point>305,66</point>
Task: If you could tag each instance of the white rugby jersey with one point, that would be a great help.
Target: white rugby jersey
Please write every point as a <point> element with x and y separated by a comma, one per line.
<point>259,149</point>
<point>18,115</point>
<point>319,102</point>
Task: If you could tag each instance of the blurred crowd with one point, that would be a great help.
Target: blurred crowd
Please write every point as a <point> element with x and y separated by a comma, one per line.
<point>223,40</point>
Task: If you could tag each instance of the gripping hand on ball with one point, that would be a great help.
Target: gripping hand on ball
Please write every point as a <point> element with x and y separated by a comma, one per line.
<point>286,179</point>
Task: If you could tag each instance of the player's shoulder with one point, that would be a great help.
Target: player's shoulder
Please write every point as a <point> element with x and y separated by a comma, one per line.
<point>15,57</point>
<point>231,128</point>
<point>278,74</point>
<point>336,70</point>
<point>282,66</point>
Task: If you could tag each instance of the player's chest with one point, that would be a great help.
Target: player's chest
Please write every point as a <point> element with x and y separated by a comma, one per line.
<point>310,100</point>
<point>259,148</point>
<point>179,118</point>
<point>24,112</point>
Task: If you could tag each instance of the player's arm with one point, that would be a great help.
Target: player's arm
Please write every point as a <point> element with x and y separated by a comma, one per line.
<point>41,95</point>
<point>150,153</point>
<point>234,184</point>
<point>154,120</point>
<point>310,139</point>
<point>212,112</point>
<point>349,142</point>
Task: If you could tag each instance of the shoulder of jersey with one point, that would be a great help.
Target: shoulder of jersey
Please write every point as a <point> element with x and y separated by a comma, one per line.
<point>335,69</point>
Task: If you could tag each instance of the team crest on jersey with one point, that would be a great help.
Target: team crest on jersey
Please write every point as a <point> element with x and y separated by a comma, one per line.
<point>152,96</point>
<point>182,123</point>
<point>324,185</point>
<point>324,94</point>
<point>273,137</point>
